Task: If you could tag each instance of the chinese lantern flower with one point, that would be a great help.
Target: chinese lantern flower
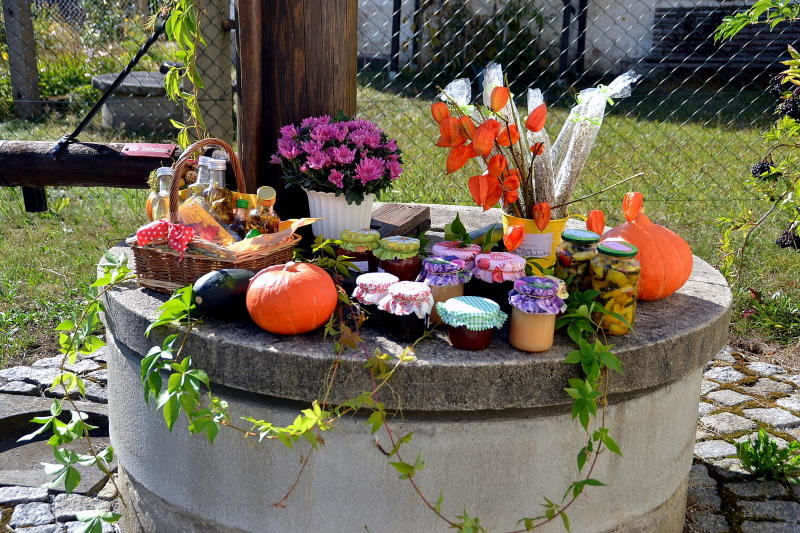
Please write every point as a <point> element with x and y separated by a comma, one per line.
<point>500,96</point>
<point>509,136</point>
<point>536,118</point>
<point>484,136</point>
<point>513,236</point>
<point>458,157</point>
<point>537,148</point>
<point>596,221</point>
<point>485,190</point>
<point>440,111</point>
<point>631,205</point>
<point>450,133</point>
<point>509,197</point>
<point>467,127</point>
<point>497,165</point>
<point>542,215</point>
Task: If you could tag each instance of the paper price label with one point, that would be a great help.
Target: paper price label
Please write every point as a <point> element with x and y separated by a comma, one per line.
<point>535,245</point>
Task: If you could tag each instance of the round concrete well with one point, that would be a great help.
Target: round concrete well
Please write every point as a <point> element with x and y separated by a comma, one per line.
<point>493,427</point>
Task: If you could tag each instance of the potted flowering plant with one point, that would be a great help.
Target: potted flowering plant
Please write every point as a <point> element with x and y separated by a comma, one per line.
<point>342,164</point>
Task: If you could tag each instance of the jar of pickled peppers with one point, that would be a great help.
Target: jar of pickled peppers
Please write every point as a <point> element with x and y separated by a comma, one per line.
<point>577,249</point>
<point>399,255</point>
<point>615,273</point>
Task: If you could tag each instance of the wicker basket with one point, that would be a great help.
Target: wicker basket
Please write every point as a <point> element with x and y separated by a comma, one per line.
<point>164,270</point>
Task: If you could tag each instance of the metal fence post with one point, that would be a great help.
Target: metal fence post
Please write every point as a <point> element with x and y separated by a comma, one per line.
<point>22,58</point>
<point>214,65</point>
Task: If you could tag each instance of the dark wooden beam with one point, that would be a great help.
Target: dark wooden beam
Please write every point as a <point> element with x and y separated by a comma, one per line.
<point>298,59</point>
<point>34,199</point>
<point>30,164</point>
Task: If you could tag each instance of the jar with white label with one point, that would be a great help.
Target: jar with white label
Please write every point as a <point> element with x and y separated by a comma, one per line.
<point>357,245</point>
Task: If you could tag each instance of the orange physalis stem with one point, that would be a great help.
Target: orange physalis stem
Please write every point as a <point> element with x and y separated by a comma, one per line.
<point>537,148</point>
<point>536,118</point>
<point>499,99</point>
<point>467,127</point>
<point>440,111</point>
<point>632,203</point>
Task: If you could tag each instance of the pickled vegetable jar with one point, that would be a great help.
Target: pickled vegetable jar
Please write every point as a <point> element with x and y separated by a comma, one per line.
<point>465,252</point>
<point>408,305</point>
<point>577,249</point>
<point>494,275</point>
<point>399,256</point>
<point>446,277</point>
<point>358,245</point>
<point>471,321</point>
<point>370,289</point>
<point>535,302</point>
<point>615,273</point>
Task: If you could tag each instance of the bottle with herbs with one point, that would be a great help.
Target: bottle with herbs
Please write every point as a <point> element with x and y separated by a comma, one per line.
<point>615,273</point>
<point>263,217</point>
<point>573,255</point>
<point>239,224</point>
<point>219,197</point>
<point>399,256</point>
<point>160,200</point>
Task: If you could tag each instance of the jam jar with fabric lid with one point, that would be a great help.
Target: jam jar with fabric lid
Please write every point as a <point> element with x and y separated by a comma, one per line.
<point>494,275</point>
<point>358,245</point>
<point>446,277</point>
<point>577,249</point>
<point>407,304</point>
<point>471,321</point>
<point>370,290</point>
<point>615,273</point>
<point>535,302</point>
<point>399,256</point>
<point>465,252</point>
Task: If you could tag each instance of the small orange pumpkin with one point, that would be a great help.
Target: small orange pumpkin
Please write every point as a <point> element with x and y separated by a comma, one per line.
<point>291,299</point>
<point>665,257</point>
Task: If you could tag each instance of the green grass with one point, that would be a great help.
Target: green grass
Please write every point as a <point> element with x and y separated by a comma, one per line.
<point>692,176</point>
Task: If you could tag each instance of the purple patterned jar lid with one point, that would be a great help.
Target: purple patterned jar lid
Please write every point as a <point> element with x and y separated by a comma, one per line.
<point>538,286</point>
<point>449,270</point>
<point>536,294</point>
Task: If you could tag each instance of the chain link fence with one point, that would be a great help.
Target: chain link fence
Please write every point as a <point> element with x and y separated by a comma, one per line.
<point>692,126</point>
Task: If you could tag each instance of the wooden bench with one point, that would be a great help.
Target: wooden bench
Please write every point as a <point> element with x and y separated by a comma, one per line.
<point>684,38</point>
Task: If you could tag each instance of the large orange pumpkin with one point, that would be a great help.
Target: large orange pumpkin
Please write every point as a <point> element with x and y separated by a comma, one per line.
<point>291,299</point>
<point>665,257</point>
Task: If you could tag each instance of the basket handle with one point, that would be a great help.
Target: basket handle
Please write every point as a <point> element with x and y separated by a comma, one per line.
<point>181,166</point>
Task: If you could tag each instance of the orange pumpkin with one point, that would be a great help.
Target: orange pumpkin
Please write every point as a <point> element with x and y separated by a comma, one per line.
<point>291,299</point>
<point>665,257</point>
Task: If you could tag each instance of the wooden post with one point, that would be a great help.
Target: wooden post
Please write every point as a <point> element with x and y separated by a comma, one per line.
<point>298,59</point>
<point>22,58</point>
<point>214,65</point>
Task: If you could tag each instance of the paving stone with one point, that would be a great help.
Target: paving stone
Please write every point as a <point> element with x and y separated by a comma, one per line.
<point>708,523</point>
<point>728,398</point>
<point>698,476</point>
<point>728,469</point>
<point>707,386</point>
<point>754,490</point>
<point>43,377</point>
<point>795,433</point>
<point>766,386</point>
<point>753,436</point>
<point>31,514</point>
<point>94,392</point>
<point>99,375</point>
<point>774,417</point>
<point>713,448</point>
<point>795,378</point>
<point>76,527</point>
<point>726,355</point>
<point>724,374</point>
<point>790,402</point>
<point>768,527</point>
<point>796,491</point>
<point>722,423</point>
<point>705,408</point>
<point>109,491</point>
<point>49,528</point>
<point>704,498</point>
<point>19,387</point>
<point>702,434</point>
<point>766,369</point>
<point>101,355</point>
<point>17,495</point>
<point>66,505</point>
<point>771,510</point>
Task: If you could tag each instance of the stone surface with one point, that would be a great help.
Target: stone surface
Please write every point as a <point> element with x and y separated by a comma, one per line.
<point>726,355</point>
<point>17,495</point>
<point>43,377</point>
<point>722,423</point>
<point>768,527</point>
<point>702,522</point>
<point>771,510</point>
<point>753,436</point>
<point>66,505</point>
<point>724,374</point>
<point>101,355</point>
<point>109,491</point>
<point>766,369</point>
<point>704,408</point>
<point>100,376</point>
<point>698,477</point>
<point>31,514</point>
<point>794,378</point>
<point>707,386</point>
<point>19,387</point>
<point>729,469</point>
<point>704,499</point>
<point>77,527</point>
<point>728,398</point>
<point>49,528</point>
<point>774,417</point>
<point>766,386</point>
<point>756,490</point>
<point>714,448</point>
<point>790,402</point>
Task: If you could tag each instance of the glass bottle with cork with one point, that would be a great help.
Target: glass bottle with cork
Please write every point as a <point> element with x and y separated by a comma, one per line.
<point>199,187</point>
<point>218,196</point>
<point>399,255</point>
<point>615,274</point>
<point>239,224</point>
<point>573,255</point>
<point>160,200</point>
<point>263,217</point>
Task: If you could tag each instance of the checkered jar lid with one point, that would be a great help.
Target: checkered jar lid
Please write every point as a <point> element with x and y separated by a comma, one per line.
<point>472,312</point>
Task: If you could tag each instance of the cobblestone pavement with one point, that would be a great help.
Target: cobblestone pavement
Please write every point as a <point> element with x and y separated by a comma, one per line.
<point>739,394</point>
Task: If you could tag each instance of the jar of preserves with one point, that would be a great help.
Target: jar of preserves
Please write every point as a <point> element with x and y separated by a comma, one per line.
<point>399,256</point>
<point>370,289</point>
<point>446,277</point>
<point>615,273</point>
<point>494,275</point>
<point>357,244</point>
<point>577,249</point>
<point>535,302</point>
<point>471,321</point>
<point>408,305</point>
<point>465,252</point>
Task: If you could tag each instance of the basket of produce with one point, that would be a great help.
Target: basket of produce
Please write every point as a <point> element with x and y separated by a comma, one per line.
<point>213,228</point>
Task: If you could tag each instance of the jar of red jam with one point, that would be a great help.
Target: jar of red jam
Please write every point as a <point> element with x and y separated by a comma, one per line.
<point>465,252</point>
<point>408,305</point>
<point>399,255</point>
<point>471,321</point>
<point>535,302</point>
<point>370,289</point>
<point>494,275</point>
<point>357,244</point>
<point>446,277</point>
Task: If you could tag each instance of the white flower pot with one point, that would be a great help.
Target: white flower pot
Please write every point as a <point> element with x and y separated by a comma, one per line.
<point>338,215</point>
